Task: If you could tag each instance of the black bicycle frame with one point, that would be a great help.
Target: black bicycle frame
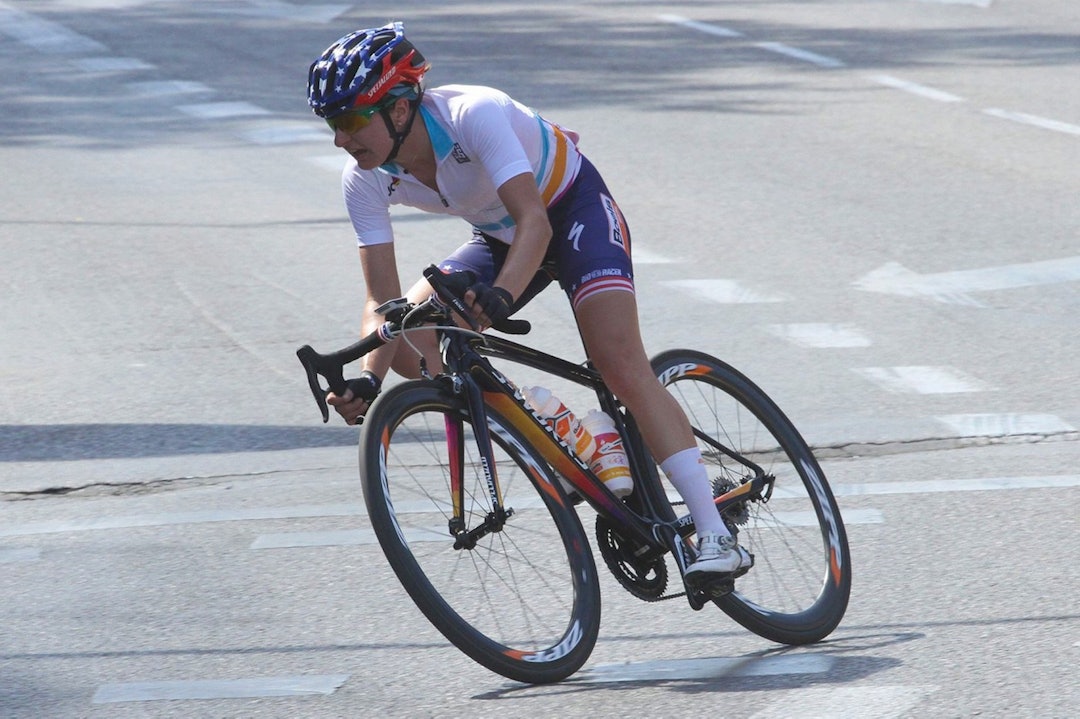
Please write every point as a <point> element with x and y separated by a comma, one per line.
<point>485,389</point>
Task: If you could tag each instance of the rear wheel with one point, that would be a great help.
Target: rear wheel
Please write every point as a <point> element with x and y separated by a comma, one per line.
<point>522,598</point>
<point>798,589</point>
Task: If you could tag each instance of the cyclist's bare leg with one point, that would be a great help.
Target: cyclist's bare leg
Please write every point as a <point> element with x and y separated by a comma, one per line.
<point>609,326</point>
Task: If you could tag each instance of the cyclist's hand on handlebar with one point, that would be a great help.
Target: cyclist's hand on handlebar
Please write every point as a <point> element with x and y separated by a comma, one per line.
<point>490,305</point>
<point>358,396</point>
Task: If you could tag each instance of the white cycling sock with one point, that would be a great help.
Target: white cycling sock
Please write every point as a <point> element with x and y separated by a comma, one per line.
<point>686,472</point>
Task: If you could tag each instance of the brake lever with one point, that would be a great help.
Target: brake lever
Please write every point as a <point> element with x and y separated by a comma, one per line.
<point>450,287</point>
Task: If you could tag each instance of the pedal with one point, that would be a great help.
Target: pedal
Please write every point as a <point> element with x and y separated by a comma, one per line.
<point>705,588</point>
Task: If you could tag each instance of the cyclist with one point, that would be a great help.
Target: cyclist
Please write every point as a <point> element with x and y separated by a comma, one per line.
<point>539,211</point>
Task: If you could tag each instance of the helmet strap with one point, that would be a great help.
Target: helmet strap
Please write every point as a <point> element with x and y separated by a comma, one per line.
<point>399,137</point>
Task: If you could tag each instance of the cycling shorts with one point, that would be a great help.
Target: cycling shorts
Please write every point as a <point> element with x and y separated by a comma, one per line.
<point>589,251</point>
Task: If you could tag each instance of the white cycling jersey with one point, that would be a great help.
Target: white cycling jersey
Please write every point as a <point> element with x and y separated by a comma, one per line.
<point>482,137</point>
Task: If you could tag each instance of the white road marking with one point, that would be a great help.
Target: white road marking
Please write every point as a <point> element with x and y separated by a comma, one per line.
<point>648,257</point>
<point>867,516</point>
<point>705,668</point>
<point>1005,425</point>
<point>954,287</point>
<point>922,380</point>
<point>163,88</point>
<point>800,54</point>
<point>1034,120</point>
<point>699,26</point>
<point>936,486</point>
<point>45,35</point>
<point>111,64</point>
<point>286,686</point>
<point>725,291</point>
<point>279,10</point>
<point>437,534</point>
<point>286,133</point>
<point>222,110</point>
<point>775,47</point>
<point>840,702</point>
<point>821,335</point>
<point>976,3</point>
<point>21,554</point>
<point>916,89</point>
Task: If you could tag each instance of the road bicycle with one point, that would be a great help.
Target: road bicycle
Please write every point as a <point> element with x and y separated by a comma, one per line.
<point>464,487</point>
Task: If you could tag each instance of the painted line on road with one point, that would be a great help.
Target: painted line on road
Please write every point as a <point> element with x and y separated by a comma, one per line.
<point>884,702</point>
<point>726,292</point>
<point>976,3</point>
<point>865,516</point>
<point>222,110</point>
<point>286,686</point>
<point>922,380</point>
<point>705,668</point>
<point>111,64</point>
<point>800,54</point>
<point>821,335</point>
<point>915,88</point>
<point>704,27</point>
<point>44,35</point>
<point>162,88</point>
<point>1005,425</point>
<point>647,257</point>
<point>775,47</point>
<point>955,287</point>
<point>1044,123</point>
<point>437,534</point>
<point>828,62</point>
<point>19,554</point>
<point>936,486</point>
<point>288,133</point>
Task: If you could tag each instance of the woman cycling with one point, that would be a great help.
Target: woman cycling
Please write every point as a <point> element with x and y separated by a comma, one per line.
<point>539,211</point>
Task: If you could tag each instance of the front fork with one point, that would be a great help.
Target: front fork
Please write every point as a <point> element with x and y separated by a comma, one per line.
<point>465,538</point>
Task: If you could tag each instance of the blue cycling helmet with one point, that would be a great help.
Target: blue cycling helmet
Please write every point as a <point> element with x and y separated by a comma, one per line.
<point>362,68</point>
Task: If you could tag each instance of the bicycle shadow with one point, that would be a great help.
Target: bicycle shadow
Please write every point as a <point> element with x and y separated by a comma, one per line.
<point>836,661</point>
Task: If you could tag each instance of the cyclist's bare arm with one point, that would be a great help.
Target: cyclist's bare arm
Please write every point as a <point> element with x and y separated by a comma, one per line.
<point>532,233</point>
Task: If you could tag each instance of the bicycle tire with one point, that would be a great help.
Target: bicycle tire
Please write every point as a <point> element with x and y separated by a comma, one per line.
<point>798,589</point>
<point>525,601</point>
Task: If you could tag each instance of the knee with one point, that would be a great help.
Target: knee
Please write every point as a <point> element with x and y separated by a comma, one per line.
<point>626,373</point>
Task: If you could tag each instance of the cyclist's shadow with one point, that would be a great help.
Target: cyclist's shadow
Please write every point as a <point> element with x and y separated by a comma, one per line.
<point>841,660</point>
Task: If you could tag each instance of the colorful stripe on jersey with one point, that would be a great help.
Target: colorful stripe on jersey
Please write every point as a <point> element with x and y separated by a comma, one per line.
<point>558,167</point>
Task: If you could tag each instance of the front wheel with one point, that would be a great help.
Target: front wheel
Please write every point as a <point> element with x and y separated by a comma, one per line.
<point>522,598</point>
<point>798,589</point>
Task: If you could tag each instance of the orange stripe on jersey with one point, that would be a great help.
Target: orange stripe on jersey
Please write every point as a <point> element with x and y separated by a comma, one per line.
<point>558,168</point>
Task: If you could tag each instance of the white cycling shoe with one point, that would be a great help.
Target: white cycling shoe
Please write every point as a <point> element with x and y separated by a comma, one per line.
<point>719,554</point>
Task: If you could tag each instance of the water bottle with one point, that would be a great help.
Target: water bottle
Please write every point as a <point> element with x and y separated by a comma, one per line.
<point>605,457</point>
<point>559,418</point>
<point>608,456</point>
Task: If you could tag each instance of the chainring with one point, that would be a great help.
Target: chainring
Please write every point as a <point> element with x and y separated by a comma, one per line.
<point>645,579</point>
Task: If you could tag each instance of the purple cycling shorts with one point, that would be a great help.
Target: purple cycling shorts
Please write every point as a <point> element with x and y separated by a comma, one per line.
<point>589,251</point>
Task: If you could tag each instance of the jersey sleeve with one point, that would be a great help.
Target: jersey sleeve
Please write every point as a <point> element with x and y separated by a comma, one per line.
<point>367,202</point>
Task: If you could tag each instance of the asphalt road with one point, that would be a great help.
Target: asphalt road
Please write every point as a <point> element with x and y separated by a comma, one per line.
<point>867,207</point>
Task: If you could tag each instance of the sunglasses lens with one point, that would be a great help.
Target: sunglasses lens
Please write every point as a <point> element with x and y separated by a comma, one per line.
<point>353,120</point>
<point>349,122</point>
